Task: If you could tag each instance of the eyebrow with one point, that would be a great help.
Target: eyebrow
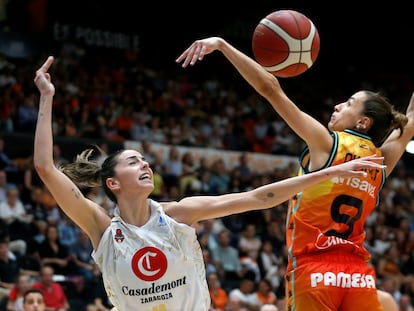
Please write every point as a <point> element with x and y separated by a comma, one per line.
<point>134,157</point>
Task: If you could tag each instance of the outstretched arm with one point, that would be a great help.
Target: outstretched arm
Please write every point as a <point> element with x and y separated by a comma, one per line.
<point>82,211</point>
<point>309,129</point>
<point>193,209</point>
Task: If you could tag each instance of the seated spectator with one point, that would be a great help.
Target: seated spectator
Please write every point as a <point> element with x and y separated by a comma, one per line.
<point>249,242</point>
<point>54,295</point>
<point>27,115</point>
<point>243,293</point>
<point>405,303</point>
<point>10,166</point>
<point>227,261</point>
<point>389,266</point>
<point>268,263</point>
<point>9,268</point>
<point>16,246</point>
<point>263,295</point>
<point>13,213</point>
<point>81,255</point>
<point>16,295</point>
<point>54,253</point>
<point>217,294</point>
<point>67,230</point>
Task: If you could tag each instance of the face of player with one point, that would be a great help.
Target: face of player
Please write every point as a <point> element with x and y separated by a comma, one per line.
<point>348,115</point>
<point>133,172</point>
<point>34,302</point>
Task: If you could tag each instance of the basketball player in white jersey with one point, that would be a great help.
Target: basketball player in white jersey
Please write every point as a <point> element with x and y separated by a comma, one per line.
<point>148,252</point>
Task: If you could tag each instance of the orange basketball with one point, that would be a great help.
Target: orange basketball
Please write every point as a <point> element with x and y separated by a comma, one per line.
<point>286,43</point>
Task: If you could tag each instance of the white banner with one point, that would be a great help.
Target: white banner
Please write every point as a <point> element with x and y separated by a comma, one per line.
<point>258,162</point>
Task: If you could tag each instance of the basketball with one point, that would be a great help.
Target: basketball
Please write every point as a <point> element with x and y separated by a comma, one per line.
<point>286,43</point>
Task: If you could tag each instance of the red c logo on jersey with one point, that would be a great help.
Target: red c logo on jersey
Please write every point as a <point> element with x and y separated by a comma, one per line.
<point>149,263</point>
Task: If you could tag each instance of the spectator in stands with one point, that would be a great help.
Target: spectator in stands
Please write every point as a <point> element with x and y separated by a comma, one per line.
<point>68,232</point>
<point>243,293</point>
<point>9,267</point>
<point>269,263</point>
<point>27,114</point>
<point>81,255</point>
<point>217,294</point>
<point>219,179</point>
<point>227,261</point>
<point>53,253</point>
<point>139,129</point>
<point>389,266</point>
<point>16,295</point>
<point>10,166</point>
<point>249,242</point>
<point>263,294</point>
<point>14,214</point>
<point>244,170</point>
<point>405,303</point>
<point>54,295</point>
<point>37,209</point>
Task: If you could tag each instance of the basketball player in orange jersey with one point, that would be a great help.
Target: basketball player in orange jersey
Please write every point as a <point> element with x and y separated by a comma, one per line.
<point>148,251</point>
<point>328,267</point>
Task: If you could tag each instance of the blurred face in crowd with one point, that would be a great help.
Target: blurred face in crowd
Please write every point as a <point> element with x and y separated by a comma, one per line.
<point>46,276</point>
<point>34,301</point>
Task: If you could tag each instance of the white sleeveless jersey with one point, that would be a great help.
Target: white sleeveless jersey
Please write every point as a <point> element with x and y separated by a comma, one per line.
<point>156,267</point>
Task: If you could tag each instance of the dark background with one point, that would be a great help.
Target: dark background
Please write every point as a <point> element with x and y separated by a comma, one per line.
<point>362,35</point>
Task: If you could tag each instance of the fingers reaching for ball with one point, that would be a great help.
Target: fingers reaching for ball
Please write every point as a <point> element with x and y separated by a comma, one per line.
<point>197,50</point>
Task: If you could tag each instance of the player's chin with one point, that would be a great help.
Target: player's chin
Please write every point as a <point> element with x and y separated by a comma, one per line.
<point>334,126</point>
<point>146,184</point>
<point>331,126</point>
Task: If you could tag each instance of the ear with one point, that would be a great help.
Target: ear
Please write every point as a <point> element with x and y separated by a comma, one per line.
<point>112,184</point>
<point>364,123</point>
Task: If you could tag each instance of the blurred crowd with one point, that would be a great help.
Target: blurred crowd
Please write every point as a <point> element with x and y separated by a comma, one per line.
<point>119,99</point>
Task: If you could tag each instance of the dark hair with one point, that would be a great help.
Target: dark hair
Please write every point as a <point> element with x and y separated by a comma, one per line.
<point>90,172</point>
<point>384,117</point>
<point>32,291</point>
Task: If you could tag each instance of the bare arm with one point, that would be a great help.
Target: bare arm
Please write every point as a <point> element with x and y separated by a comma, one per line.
<point>309,129</point>
<point>193,209</point>
<point>85,213</point>
<point>394,147</point>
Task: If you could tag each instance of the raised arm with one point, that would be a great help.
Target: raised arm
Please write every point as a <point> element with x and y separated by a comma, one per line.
<point>193,209</point>
<point>82,211</point>
<point>394,147</point>
<point>309,129</point>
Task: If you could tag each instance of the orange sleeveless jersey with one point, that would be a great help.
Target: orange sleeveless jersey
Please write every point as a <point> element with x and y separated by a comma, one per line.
<point>331,215</point>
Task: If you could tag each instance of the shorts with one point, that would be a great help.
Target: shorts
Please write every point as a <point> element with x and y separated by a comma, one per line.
<point>331,282</point>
